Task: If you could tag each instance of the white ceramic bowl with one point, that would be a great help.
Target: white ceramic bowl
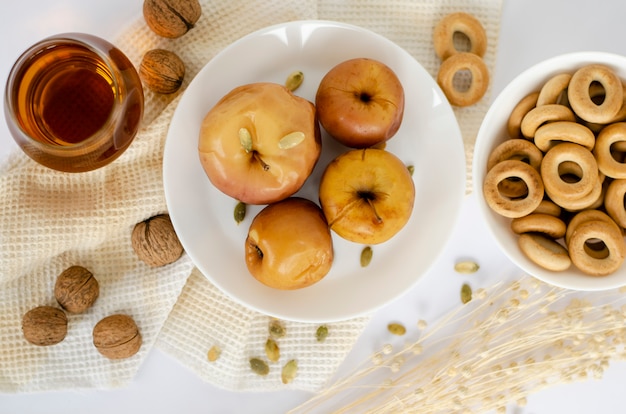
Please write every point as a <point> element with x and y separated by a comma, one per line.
<point>493,131</point>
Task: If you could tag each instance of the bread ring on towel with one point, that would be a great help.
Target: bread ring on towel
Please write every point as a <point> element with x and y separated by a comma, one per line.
<point>507,206</point>
<point>544,251</point>
<point>583,216</point>
<point>581,101</point>
<point>546,224</point>
<point>611,137</point>
<point>548,207</point>
<point>552,133</point>
<point>539,115</point>
<point>614,201</point>
<point>597,247</point>
<point>573,159</point>
<point>554,89</point>
<point>514,122</point>
<point>468,25</point>
<point>479,82</point>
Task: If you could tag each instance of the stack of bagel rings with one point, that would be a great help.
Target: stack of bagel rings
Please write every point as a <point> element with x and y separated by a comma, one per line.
<point>561,174</point>
<point>455,61</point>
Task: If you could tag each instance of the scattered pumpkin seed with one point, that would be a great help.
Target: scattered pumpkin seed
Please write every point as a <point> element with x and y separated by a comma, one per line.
<point>240,212</point>
<point>466,293</point>
<point>294,80</point>
<point>214,353</point>
<point>322,333</point>
<point>259,367</point>
<point>277,329</point>
<point>291,140</point>
<point>466,267</point>
<point>396,329</point>
<point>366,256</point>
<point>289,372</point>
<point>245,139</point>
<point>271,350</point>
<point>411,169</point>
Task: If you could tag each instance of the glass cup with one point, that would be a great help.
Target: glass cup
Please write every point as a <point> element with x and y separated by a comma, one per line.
<point>73,102</point>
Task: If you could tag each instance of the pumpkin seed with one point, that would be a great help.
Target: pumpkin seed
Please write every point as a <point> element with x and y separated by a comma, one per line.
<point>289,372</point>
<point>214,353</point>
<point>259,367</point>
<point>294,80</point>
<point>466,267</point>
<point>271,350</point>
<point>411,169</point>
<point>322,333</point>
<point>276,329</point>
<point>366,256</point>
<point>291,140</point>
<point>240,212</point>
<point>245,139</point>
<point>396,329</point>
<point>466,293</point>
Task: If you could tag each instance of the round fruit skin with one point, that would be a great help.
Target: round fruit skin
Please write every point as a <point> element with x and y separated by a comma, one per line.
<point>269,112</point>
<point>374,172</point>
<point>295,241</point>
<point>360,102</point>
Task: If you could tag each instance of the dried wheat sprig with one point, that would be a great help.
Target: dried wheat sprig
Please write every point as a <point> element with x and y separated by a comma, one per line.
<point>508,342</point>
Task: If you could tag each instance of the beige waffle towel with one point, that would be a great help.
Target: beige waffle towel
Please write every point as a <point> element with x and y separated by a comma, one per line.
<point>52,220</point>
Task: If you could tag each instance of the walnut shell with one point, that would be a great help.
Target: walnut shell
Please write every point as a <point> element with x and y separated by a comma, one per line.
<point>171,18</point>
<point>155,242</point>
<point>117,336</point>
<point>162,71</point>
<point>44,325</point>
<point>76,289</point>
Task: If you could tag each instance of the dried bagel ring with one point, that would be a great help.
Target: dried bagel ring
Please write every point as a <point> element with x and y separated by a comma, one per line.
<point>557,164</point>
<point>581,101</point>
<point>614,201</point>
<point>514,122</point>
<point>539,115</point>
<point>589,259</point>
<point>605,143</point>
<point>549,207</point>
<point>553,89</point>
<point>583,216</point>
<point>518,149</point>
<point>591,200</point>
<point>513,207</point>
<point>459,62</point>
<point>468,25</point>
<point>552,133</point>
<point>546,224</point>
<point>544,251</point>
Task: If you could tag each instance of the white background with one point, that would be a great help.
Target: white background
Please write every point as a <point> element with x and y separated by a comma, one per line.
<point>531,30</point>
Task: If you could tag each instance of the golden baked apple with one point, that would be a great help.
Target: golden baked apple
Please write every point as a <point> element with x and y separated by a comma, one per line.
<point>260,143</point>
<point>289,245</point>
<point>367,195</point>
<point>360,102</point>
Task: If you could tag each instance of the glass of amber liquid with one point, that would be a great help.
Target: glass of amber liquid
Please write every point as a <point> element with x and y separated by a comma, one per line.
<point>73,102</point>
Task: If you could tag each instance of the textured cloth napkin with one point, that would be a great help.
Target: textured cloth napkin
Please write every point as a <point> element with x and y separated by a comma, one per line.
<point>50,221</point>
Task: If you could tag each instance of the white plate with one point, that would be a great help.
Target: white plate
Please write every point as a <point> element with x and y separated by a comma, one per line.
<point>429,138</point>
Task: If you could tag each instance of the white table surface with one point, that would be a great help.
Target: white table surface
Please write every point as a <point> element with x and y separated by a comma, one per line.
<point>531,30</point>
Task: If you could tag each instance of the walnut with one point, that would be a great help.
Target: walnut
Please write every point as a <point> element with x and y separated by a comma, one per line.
<point>155,242</point>
<point>76,289</point>
<point>171,18</point>
<point>162,71</point>
<point>117,336</point>
<point>44,325</point>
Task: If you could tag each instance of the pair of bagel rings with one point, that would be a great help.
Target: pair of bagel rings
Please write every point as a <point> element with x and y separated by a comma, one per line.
<point>454,61</point>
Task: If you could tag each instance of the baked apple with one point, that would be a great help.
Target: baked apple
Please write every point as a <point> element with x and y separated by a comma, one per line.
<point>260,143</point>
<point>289,245</point>
<point>360,102</point>
<point>367,195</point>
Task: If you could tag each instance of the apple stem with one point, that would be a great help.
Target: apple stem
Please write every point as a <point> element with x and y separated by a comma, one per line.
<point>260,160</point>
<point>371,204</point>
